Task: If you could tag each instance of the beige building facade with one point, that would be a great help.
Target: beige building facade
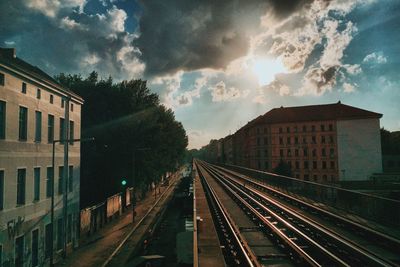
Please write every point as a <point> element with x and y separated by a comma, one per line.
<point>32,115</point>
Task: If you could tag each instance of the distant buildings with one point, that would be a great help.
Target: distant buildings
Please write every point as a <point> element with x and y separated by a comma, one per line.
<point>322,143</point>
<point>32,110</point>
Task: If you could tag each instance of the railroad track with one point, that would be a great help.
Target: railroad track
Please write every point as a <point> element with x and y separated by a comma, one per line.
<point>235,248</point>
<point>124,250</point>
<point>306,241</point>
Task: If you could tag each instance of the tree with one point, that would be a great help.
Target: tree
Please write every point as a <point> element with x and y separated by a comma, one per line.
<point>283,169</point>
<point>123,117</point>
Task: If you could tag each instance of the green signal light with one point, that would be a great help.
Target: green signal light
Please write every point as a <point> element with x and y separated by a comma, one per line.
<point>123,182</point>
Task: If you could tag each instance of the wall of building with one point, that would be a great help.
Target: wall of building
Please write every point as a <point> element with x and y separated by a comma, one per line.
<point>21,220</point>
<point>359,149</point>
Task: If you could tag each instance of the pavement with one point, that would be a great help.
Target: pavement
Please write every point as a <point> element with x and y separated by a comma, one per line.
<point>96,248</point>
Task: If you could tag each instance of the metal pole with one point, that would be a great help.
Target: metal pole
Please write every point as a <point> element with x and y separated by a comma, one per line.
<point>133,201</point>
<point>65,180</point>
<point>52,208</point>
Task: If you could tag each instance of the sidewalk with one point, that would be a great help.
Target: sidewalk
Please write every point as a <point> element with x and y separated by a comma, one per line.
<point>95,249</point>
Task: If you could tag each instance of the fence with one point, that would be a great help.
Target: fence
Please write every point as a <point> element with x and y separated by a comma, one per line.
<point>95,217</point>
<point>379,209</point>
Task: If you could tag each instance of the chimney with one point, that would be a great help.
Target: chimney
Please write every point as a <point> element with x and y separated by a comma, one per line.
<point>8,53</point>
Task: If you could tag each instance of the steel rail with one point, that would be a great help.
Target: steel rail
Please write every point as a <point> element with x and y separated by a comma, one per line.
<point>390,241</point>
<point>246,252</point>
<point>367,256</point>
<point>305,247</point>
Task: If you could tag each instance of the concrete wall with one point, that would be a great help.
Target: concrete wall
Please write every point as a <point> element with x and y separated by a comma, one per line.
<point>359,149</point>
<point>21,220</point>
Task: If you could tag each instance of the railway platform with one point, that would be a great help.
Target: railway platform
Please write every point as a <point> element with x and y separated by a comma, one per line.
<point>208,252</point>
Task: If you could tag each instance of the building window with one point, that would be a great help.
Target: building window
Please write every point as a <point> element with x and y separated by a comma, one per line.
<point>324,177</point>
<point>2,79</point>
<point>51,99</point>
<point>312,128</point>
<point>21,178</point>
<point>60,231</point>
<point>23,89</point>
<point>306,165</point>
<point>305,152</point>
<point>280,140</point>
<point>266,165</point>
<point>71,132</point>
<point>60,179</point>
<point>296,140</point>
<point>62,103</point>
<point>288,129</point>
<point>314,165</point>
<point>281,152</point>
<point>314,152</point>
<point>330,127</point>
<point>23,123</point>
<point>331,139</point>
<point>315,178</point>
<point>50,128</point>
<point>265,130</point>
<point>48,240</point>
<point>2,120</point>
<point>323,152</point>
<point>280,130</point>
<point>332,152</point>
<point>19,251</point>
<point>69,228</point>
<point>38,126</point>
<point>323,139</point>
<point>62,130</point>
<point>296,152</point>
<point>304,140</point>
<point>322,128</point>
<point>288,140</point>
<point>314,139</point>
<point>304,128</point>
<point>265,141</point>
<point>49,181</point>
<point>306,177</point>
<point>38,93</point>
<point>1,190</point>
<point>258,141</point>
<point>35,247</point>
<point>71,178</point>
<point>297,164</point>
<point>289,153</point>
<point>36,186</point>
<point>72,107</point>
<point>332,165</point>
<point>324,165</point>
<point>295,129</point>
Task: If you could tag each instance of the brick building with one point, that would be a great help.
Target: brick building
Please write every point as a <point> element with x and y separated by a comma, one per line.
<point>323,143</point>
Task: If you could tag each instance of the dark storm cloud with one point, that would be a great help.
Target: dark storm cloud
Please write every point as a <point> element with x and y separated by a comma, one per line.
<point>188,35</point>
<point>69,41</point>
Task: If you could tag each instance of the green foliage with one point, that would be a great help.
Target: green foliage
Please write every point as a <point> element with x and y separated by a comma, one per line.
<point>135,135</point>
<point>283,169</point>
<point>390,142</point>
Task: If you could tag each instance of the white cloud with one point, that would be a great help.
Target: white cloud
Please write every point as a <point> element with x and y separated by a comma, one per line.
<point>90,60</point>
<point>220,92</point>
<point>375,58</point>
<point>51,8</point>
<point>259,99</point>
<point>278,87</point>
<point>170,85</point>
<point>69,24</point>
<point>354,69</point>
<point>349,88</point>
<point>128,57</point>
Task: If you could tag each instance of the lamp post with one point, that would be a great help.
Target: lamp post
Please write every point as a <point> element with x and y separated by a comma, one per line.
<point>52,193</point>
<point>133,179</point>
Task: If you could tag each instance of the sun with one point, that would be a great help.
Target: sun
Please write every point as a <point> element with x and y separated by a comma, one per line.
<point>266,68</point>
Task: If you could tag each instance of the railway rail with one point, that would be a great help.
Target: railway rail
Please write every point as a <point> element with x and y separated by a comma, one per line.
<point>306,240</point>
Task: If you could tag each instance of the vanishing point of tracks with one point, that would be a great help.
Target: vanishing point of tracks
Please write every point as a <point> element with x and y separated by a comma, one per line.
<point>301,239</point>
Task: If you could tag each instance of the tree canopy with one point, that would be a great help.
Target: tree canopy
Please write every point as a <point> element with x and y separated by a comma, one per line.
<point>135,136</point>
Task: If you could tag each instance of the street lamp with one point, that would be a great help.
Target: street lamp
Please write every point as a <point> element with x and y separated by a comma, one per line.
<point>52,193</point>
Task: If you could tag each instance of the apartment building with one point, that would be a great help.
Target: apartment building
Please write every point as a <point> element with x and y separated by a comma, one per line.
<point>33,107</point>
<point>321,143</point>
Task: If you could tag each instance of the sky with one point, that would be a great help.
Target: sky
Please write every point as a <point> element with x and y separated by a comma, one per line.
<point>219,64</point>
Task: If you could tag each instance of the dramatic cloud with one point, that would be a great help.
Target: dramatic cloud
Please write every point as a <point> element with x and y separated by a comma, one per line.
<point>192,35</point>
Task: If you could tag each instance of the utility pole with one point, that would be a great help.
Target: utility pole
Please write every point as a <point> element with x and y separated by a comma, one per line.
<point>65,174</point>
